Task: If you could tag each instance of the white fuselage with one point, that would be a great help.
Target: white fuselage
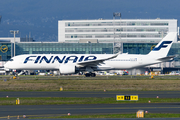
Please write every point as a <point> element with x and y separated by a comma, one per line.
<point>54,61</point>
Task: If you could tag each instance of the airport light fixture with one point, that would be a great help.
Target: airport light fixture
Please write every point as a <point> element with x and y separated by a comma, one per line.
<point>14,32</point>
<point>116,14</point>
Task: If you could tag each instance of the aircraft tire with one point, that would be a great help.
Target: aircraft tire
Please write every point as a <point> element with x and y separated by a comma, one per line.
<point>87,74</point>
<point>93,74</point>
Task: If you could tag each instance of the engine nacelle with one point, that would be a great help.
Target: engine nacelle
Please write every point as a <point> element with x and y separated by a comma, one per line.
<point>67,69</point>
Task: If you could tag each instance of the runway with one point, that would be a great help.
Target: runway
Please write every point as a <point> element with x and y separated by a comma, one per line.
<point>141,94</point>
<point>52,110</point>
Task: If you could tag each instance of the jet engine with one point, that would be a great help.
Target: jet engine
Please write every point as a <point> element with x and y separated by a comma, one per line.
<point>67,69</point>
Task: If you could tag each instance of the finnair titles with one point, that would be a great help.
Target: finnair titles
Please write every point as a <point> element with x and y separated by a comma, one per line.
<point>52,59</point>
<point>66,59</point>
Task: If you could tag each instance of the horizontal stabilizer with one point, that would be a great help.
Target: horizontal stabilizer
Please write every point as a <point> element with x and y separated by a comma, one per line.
<point>168,58</point>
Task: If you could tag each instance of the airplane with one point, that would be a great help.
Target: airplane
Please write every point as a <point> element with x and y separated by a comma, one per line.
<point>74,63</point>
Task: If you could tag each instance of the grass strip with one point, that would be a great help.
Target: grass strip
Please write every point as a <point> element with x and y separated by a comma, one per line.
<point>132,115</point>
<point>60,100</point>
<point>90,85</point>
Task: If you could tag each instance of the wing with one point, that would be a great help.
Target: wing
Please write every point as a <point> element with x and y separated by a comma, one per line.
<point>96,62</point>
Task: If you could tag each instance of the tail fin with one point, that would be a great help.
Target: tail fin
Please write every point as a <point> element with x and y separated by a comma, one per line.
<point>163,47</point>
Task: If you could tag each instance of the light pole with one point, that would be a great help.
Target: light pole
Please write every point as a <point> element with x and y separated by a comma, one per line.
<point>116,14</point>
<point>14,32</point>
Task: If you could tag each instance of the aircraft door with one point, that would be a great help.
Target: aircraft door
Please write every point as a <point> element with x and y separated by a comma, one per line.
<point>140,60</point>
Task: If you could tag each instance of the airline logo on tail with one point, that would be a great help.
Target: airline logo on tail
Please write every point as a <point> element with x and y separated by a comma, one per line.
<point>162,45</point>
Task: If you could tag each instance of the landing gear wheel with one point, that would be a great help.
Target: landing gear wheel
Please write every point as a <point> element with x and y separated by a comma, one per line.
<point>93,74</point>
<point>90,74</point>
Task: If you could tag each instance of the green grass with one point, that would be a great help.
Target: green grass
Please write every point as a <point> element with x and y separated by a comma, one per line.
<point>132,115</point>
<point>90,84</point>
<point>59,101</point>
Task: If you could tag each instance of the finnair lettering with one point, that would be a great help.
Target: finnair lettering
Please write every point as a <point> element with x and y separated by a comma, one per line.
<point>71,59</point>
<point>58,59</point>
<point>47,61</point>
<point>162,45</point>
<point>27,59</point>
<point>52,59</point>
<point>90,58</point>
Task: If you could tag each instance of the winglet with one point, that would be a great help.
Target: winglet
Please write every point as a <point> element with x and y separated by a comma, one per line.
<point>114,56</point>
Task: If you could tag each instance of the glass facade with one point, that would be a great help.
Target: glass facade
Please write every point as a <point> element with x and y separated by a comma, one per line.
<point>6,49</point>
<point>145,48</point>
<point>138,48</point>
<point>64,48</point>
<point>85,48</point>
<point>175,50</point>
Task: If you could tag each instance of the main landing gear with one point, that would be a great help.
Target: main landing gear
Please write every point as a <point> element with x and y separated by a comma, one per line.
<point>90,74</point>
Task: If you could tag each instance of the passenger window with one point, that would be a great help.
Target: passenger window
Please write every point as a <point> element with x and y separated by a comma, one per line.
<point>11,60</point>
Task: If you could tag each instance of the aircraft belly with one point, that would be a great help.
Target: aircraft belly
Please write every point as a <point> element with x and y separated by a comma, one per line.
<point>36,67</point>
<point>122,64</point>
<point>102,68</point>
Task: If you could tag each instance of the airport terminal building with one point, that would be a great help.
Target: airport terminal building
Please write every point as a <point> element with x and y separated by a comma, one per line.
<point>132,36</point>
<point>115,30</point>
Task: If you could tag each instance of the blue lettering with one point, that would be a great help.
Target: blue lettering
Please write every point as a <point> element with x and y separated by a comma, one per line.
<point>27,59</point>
<point>58,59</point>
<point>37,59</point>
<point>68,58</point>
<point>90,58</point>
<point>47,61</point>
<point>81,58</point>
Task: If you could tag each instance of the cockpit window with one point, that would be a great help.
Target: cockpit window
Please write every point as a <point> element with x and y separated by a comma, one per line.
<point>11,60</point>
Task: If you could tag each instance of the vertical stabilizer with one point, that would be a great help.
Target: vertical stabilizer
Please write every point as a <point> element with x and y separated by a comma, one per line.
<point>163,47</point>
